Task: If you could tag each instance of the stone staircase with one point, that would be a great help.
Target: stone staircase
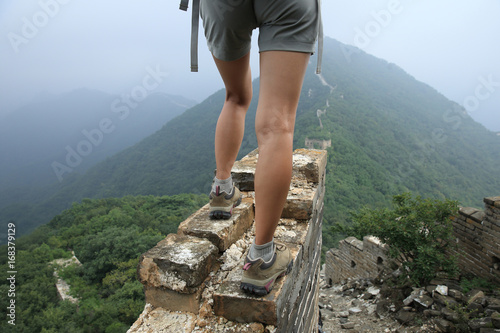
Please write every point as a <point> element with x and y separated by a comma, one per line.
<point>191,279</point>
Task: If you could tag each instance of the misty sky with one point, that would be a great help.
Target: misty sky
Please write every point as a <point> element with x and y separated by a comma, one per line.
<point>59,45</point>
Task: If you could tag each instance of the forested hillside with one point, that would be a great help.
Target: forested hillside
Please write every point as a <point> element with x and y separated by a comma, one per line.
<point>389,134</point>
<point>107,236</point>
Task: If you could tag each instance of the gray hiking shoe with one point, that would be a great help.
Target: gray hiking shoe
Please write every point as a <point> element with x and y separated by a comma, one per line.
<point>222,204</point>
<point>259,276</point>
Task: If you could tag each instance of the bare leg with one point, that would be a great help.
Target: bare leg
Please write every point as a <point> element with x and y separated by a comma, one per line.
<point>281,77</point>
<point>231,124</point>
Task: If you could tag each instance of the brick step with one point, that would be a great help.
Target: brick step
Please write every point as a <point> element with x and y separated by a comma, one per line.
<point>306,187</point>
<point>173,271</point>
<point>308,165</point>
<point>222,233</point>
<point>303,239</point>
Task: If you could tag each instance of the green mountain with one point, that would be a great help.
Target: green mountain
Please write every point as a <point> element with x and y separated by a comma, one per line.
<point>389,134</point>
<point>107,236</point>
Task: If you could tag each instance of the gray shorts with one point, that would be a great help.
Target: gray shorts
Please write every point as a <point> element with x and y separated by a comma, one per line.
<point>284,25</point>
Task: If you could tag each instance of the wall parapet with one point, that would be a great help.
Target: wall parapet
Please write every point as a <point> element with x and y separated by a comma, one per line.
<point>193,276</point>
<point>355,259</point>
<point>477,234</point>
<point>478,238</point>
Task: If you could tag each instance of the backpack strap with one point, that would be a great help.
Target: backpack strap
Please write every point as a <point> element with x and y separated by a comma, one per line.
<point>184,5</point>
<point>195,22</point>
<point>320,40</point>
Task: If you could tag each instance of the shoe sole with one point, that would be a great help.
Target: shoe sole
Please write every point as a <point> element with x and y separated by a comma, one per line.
<point>266,289</point>
<point>218,214</point>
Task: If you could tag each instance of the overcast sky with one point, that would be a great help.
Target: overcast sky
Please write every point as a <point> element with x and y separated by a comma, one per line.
<point>111,45</point>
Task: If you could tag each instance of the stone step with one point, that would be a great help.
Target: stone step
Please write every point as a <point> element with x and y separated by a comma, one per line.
<point>178,262</point>
<point>302,199</point>
<point>233,304</point>
<point>222,233</point>
<point>173,271</point>
<point>306,186</point>
<point>308,166</point>
<point>303,238</point>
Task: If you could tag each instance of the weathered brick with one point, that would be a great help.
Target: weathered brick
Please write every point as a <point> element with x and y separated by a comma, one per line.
<point>353,241</point>
<point>496,227</point>
<point>165,298</point>
<point>495,201</point>
<point>178,262</point>
<point>222,233</point>
<point>300,201</point>
<point>475,245</point>
<point>493,236</point>
<point>308,292</point>
<point>291,231</point>
<point>492,248</point>
<point>294,296</point>
<point>243,171</point>
<point>487,224</point>
<point>470,225</point>
<point>495,211</point>
<point>473,262</point>
<point>311,305</point>
<point>313,234</point>
<point>232,303</point>
<point>308,165</point>
<point>467,211</point>
<point>472,222</point>
<point>158,320</point>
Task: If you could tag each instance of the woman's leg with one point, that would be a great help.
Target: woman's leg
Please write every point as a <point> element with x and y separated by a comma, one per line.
<point>231,124</point>
<point>281,77</point>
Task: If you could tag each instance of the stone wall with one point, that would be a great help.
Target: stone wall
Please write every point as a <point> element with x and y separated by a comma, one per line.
<point>321,144</point>
<point>63,288</point>
<point>477,236</point>
<point>355,259</point>
<point>191,279</point>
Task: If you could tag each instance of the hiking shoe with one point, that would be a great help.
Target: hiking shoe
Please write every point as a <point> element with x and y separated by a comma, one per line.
<point>259,276</point>
<point>222,204</point>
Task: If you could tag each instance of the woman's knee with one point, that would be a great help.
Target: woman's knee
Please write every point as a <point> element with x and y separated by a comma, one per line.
<point>240,99</point>
<point>269,127</point>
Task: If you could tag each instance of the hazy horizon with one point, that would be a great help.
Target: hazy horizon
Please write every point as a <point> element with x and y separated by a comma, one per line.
<point>57,46</point>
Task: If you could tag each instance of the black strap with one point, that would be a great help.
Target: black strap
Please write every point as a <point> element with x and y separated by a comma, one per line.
<point>195,22</point>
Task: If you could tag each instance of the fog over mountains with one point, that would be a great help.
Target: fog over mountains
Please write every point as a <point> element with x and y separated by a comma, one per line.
<point>53,136</point>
